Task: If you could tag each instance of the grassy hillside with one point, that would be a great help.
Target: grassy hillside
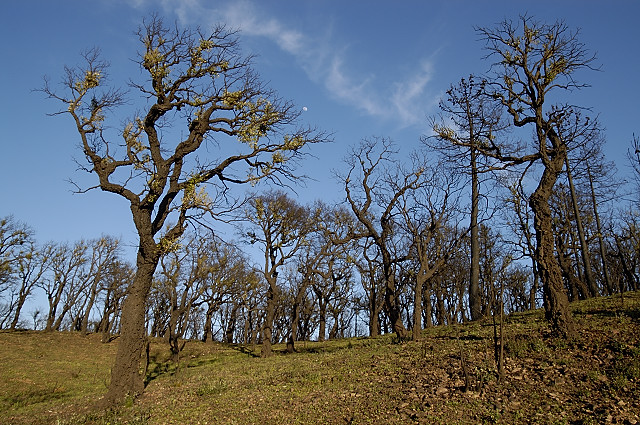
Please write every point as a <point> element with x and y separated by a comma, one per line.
<point>53,378</point>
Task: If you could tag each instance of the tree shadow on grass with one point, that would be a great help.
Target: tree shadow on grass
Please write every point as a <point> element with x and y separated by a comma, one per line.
<point>157,367</point>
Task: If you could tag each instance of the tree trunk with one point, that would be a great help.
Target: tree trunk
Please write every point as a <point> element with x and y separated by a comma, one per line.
<point>173,335</point>
<point>246,334</point>
<point>391,299</point>
<point>475,299</point>
<point>126,379</point>
<point>58,323</point>
<point>19,304</point>
<point>374,318</point>
<point>333,333</point>
<point>54,300</point>
<point>84,324</point>
<point>555,298</point>
<point>417,309</point>
<point>231,325</point>
<point>626,268</point>
<point>534,287</point>
<point>440,309</point>
<point>322,318</point>
<point>586,258</point>
<point>268,320</point>
<point>428,310</point>
<point>293,335</point>
<point>295,317</point>
<point>208,331</point>
<point>577,289</point>
<point>605,268</point>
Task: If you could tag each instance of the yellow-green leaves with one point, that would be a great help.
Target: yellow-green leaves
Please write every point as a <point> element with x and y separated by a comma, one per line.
<point>233,99</point>
<point>154,61</point>
<point>293,143</point>
<point>445,132</point>
<point>556,67</point>
<point>206,45</point>
<point>203,62</point>
<point>195,195</point>
<point>260,210</point>
<point>278,158</point>
<point>91,80</point>
<point>255,117</point>
<point>167,245</point>
<point>152,58</point>
<point>135,148</point>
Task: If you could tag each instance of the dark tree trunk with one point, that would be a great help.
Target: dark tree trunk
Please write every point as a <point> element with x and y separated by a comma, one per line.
<point>208,331</point>
<point>440,310</point>
<point>577,289</point>
<point>173,335</point>
<point>603,258</point>
<point>627,270</point>
<point>267,328</point>
<point>54,300</point>
<point>584,249</point>
<point>126,379</point>
<point>374,311</point>
<point>322,318</point>
<point>556,303</point>
<point>374,318</point>
<point>475,298</point>
<point>391,298</point>
<point>19,304</point>
<point>428,309</point>
<point>84,324</point>
<point>231,326</point>
<point>293,335</point>
<point>417,312</point>
<point>248,324</point>
<point>295,316</point>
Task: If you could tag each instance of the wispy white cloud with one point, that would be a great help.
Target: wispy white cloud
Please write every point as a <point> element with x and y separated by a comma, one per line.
<point>243,15</point>
<point>325,61</point>
<point>410,94</point>
<point>343,87</point>
<point>405,101</point>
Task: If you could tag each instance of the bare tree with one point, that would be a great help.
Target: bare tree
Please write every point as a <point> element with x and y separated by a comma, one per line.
<point>535,61</point>
<point>66,282</point>
<point>182,278</point>
<point>369,269</point>
<point>477,118</point>
<point>200,83</point>
<point>30,270</point>
<point>104,251</point>
<point>114,284</point>
<point>367,187</point>
<point>429,214</point>
<point>230,280</point>
<point>13,237</point>
<point>281,227</point>
<point>325,263</point>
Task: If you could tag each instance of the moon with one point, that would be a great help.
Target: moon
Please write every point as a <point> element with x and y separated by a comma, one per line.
<point>305,109</point>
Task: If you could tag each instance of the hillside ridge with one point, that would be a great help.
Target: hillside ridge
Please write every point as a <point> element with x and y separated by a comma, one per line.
<point>448,377</point>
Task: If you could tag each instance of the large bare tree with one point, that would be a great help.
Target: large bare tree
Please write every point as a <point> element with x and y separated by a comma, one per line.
<point>536,63</point>
<point>204,118</point>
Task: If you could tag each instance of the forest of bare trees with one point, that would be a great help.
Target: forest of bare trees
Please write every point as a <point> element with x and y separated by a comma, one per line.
<point>483,219</point>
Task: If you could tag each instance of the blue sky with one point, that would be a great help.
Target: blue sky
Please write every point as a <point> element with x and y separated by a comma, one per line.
<point>362,68</point>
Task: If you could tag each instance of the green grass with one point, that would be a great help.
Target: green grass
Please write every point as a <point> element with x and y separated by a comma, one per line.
<point>56,377</point>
